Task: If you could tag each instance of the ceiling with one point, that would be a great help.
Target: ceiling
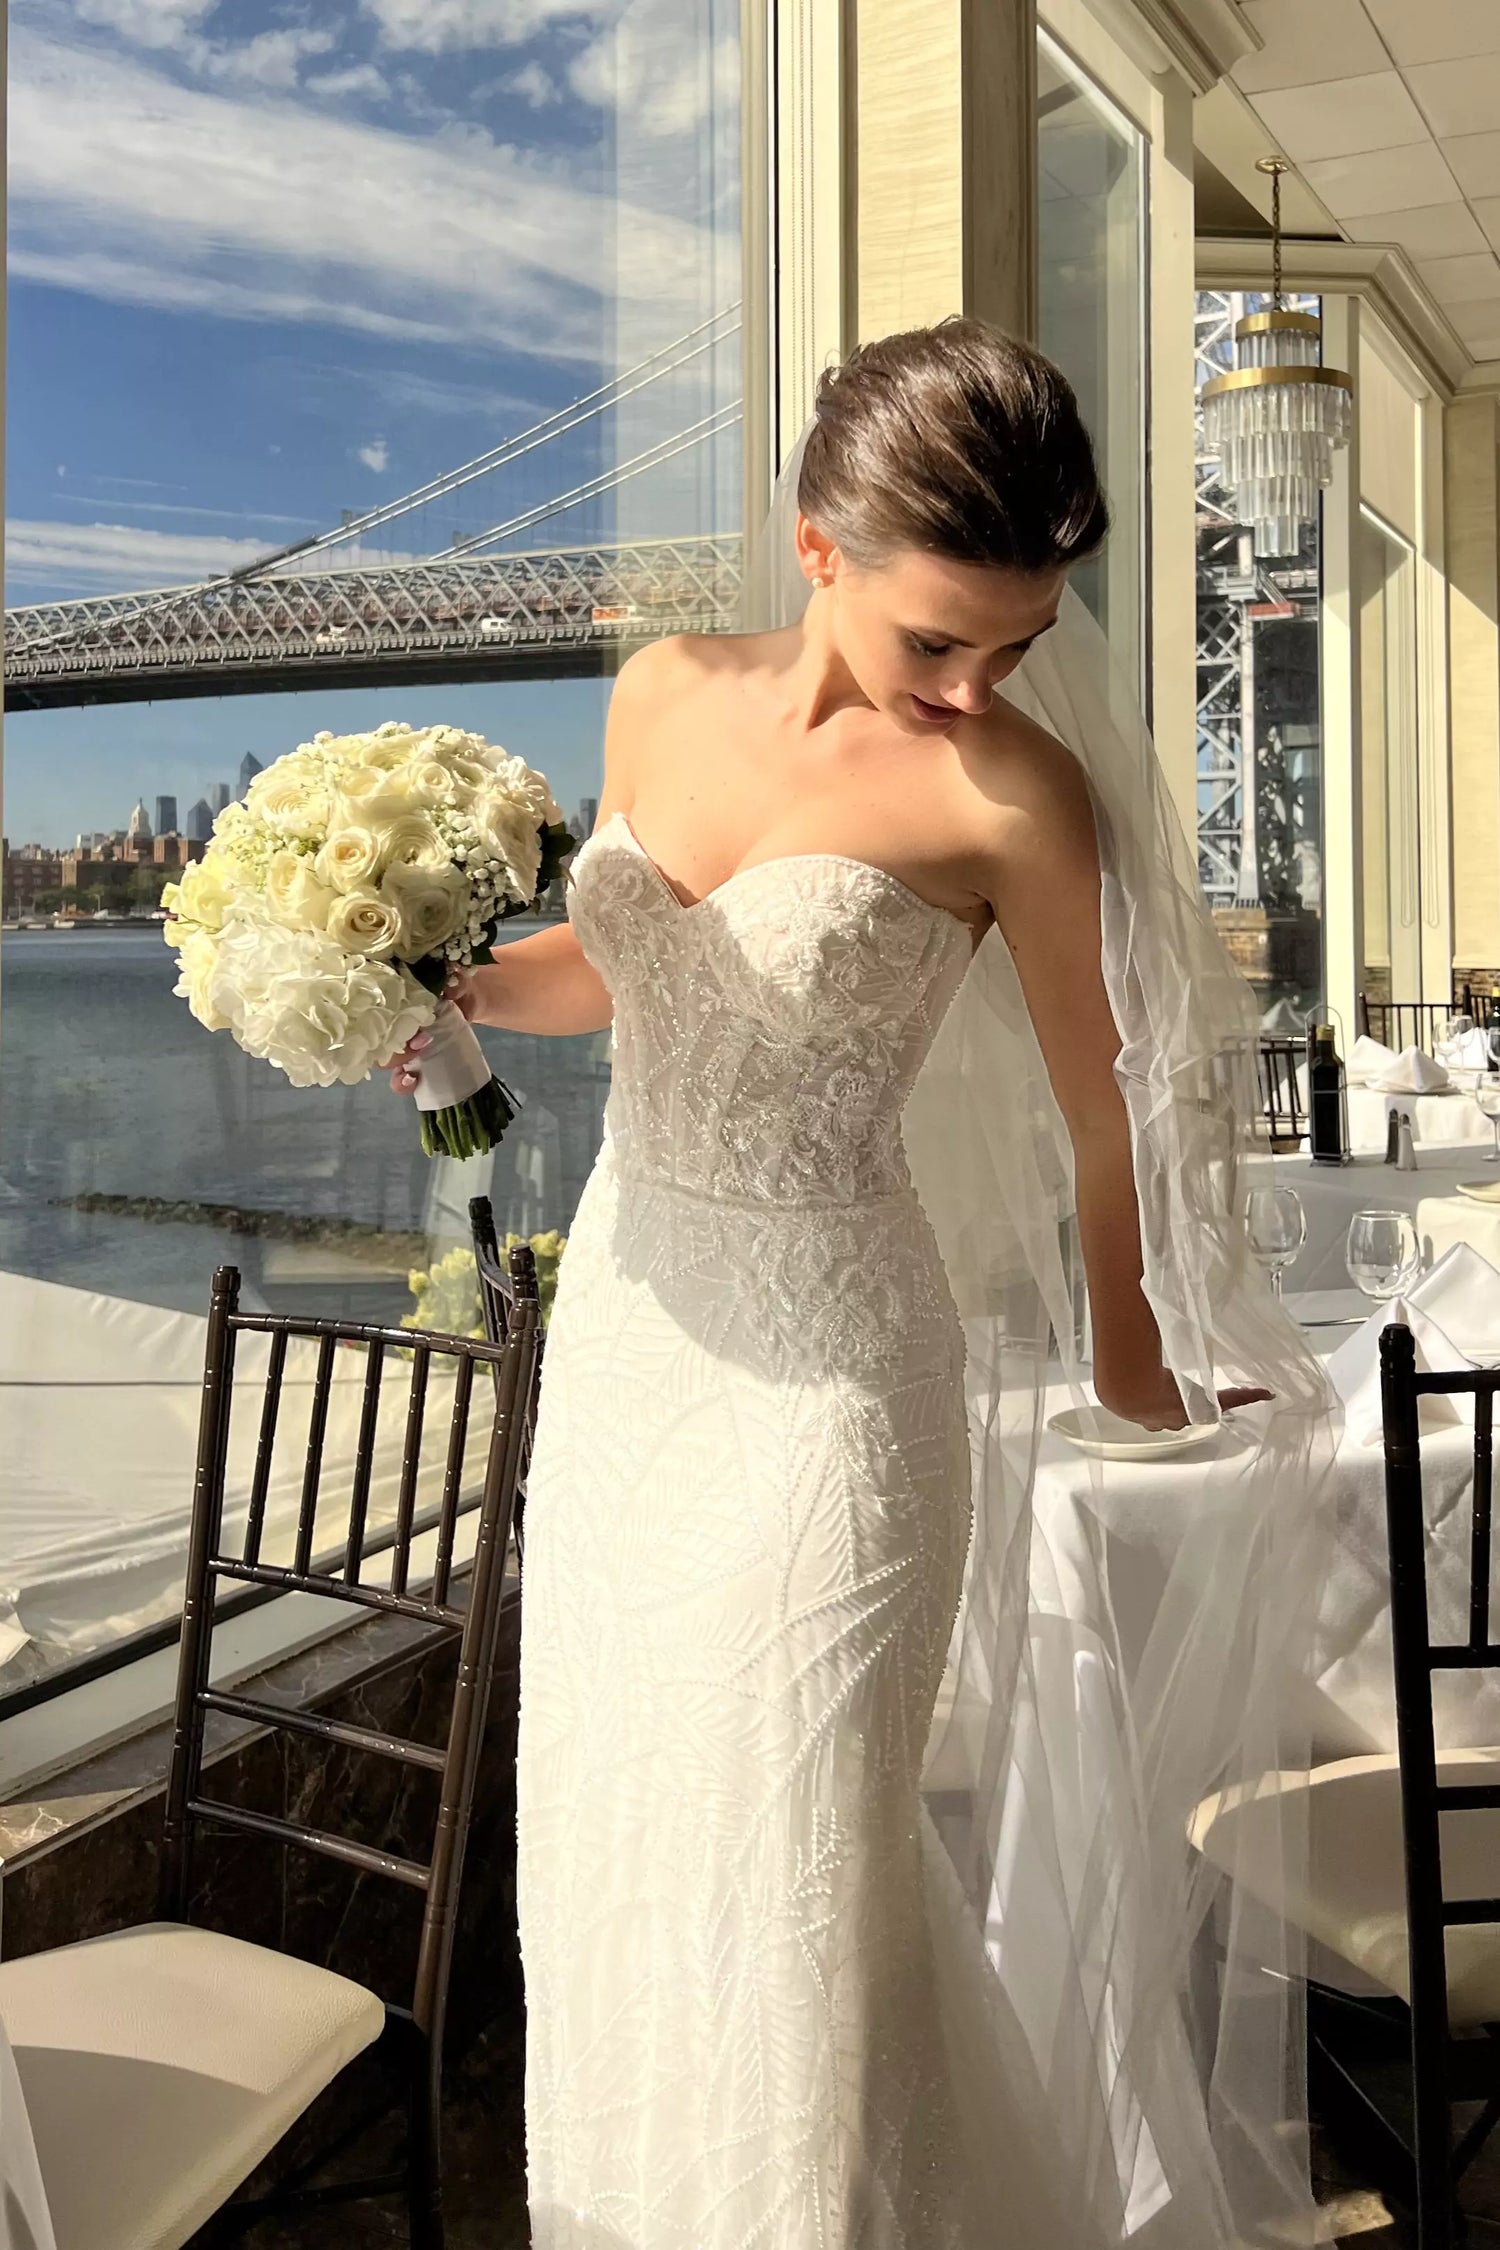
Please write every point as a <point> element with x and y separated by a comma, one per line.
<point>1390,111</point>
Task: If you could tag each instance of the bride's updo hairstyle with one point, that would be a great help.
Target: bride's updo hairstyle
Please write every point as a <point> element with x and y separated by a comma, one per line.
<point>958,441</point>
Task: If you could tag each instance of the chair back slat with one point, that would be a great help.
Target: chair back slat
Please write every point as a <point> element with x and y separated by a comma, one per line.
<point>364,1462</point>
<point>411,1461</point>
<point>1479,1552</point>
<point>458,1445</point>
<point>335,1573</point>
<point>265,1448</point>
<point>496,1294</point>
<point>1278,1063</point>
<point>317,1431</point>
<point>318,1726</point>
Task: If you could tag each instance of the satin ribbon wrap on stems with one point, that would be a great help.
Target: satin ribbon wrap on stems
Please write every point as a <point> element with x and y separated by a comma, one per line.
<point>465,1107</point>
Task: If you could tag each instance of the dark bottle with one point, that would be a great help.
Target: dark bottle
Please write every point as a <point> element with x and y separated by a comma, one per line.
<point>1327,1139</point>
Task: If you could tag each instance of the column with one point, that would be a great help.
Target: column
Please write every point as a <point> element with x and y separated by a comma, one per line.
<point>1472,520</point>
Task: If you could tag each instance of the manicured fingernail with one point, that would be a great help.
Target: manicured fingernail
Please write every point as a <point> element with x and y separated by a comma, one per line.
<point>422,1039</point>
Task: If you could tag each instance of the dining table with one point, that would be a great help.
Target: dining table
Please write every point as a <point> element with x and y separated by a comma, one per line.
<point>25,2223</point>
<point>1332,1194</point>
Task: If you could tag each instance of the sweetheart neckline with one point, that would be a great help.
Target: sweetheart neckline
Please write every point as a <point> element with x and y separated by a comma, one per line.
<point>785,859</point>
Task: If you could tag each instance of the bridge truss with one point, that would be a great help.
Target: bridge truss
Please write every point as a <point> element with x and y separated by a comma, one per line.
<point>543,614</point>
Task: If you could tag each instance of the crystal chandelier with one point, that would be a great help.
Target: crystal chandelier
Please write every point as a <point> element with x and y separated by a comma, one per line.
<point>1276,416</point>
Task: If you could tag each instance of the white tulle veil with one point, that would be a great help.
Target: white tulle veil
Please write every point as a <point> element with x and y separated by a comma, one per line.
<point>1079,1728</point>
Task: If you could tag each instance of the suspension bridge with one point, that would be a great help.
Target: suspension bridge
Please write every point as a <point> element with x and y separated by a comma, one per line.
<point>480,608</point>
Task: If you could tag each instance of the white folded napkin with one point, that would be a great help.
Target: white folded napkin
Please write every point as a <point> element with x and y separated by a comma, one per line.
<point>1462,1292</point>
<point>1413,1073</point>
<point>1355,1373</point>
<point>1368,1058</point>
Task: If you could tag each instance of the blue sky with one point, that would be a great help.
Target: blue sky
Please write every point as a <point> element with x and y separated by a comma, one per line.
<point>271,262</point>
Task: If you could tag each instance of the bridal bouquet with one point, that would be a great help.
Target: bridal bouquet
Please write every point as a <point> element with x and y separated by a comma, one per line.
<point>321,923</point>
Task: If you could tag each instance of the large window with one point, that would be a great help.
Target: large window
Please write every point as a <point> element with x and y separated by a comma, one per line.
<point>1388,762</point>
<point>1092,290</point>
<point>265,281</point>
<point>1260,756</point>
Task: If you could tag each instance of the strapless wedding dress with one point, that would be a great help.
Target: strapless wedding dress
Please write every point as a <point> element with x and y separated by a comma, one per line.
<point>748,1515</point>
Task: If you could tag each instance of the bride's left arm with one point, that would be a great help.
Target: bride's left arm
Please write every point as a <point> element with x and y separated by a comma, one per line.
<point>1045,892</point>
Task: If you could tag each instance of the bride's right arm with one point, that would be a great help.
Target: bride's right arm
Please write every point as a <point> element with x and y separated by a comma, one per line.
<point>544,983</point>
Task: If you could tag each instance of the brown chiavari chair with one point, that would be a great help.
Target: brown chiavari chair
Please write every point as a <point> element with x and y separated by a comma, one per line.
<point>1282,1100</point>
<point>496,1295</point>
<point>162,2063</point>
<point>1402,1876</point>
<point>1418,1023</point>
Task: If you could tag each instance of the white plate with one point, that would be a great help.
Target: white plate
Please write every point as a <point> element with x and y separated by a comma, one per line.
<point>1480,1191</point>
<point>1109,1437</point>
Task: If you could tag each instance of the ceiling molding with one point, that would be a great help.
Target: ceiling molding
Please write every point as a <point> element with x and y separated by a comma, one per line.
<point>1379,272</point>
<point>1204,38</point>
<point>1483,377</point>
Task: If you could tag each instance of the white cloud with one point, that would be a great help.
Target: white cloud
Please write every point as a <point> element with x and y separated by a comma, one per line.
<point>105,557</point>
<point>361,78</point>
<point>436,27</point>
<point>272,58</point>
<point>376,456</point>
<point>130,186</point>
<point>148,23</point>
<point>664,84</point>
<point>533,85</point>
<point>98,558</point>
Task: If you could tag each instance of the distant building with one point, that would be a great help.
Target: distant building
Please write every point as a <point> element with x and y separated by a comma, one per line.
<point>139,829</point>
<point>588,813</point>
<point>27,874</point>
<point>166,816</point>
<point>218,796</point>
<point>249,768</point>
<point>199,825</point>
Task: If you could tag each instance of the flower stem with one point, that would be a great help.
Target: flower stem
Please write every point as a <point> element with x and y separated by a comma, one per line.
<point>469,1128</point>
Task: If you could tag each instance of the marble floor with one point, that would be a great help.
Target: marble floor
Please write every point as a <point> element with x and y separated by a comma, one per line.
<point>486,2203</point>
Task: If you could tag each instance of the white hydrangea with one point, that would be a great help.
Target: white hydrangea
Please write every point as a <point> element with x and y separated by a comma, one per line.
<point>296,999</point>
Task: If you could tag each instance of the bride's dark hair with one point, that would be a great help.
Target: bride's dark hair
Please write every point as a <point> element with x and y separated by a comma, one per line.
<point>958,440</point>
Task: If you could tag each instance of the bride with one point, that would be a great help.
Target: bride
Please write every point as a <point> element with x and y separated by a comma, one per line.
<point>773,1517</point>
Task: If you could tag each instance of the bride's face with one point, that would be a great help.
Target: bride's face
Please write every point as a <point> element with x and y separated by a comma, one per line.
<point>928,641</point>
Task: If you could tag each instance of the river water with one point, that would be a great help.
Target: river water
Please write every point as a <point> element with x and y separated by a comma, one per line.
<point>138,1151</point>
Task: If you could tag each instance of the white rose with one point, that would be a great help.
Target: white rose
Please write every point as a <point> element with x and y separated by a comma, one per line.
<point>431,782</point>
<point>362,921</point>
<point>350,857</point>
<point>205,894</point>
<point>432,902</point>
<point>369,794</point>
<point>294,893</point>
<point>510,831</point>
<point>411,841</point>
<point>198,961</point>
<point>289,798</point>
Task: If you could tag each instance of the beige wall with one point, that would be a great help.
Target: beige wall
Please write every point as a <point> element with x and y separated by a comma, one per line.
<point>945,162</point>
<point>1473,506</point>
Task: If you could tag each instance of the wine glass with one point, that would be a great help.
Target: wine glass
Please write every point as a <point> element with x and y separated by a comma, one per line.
<point>1486,1090</point>
<point>1382,1253</point>
<point>1456,1030</point>
<point>1277,1227</point>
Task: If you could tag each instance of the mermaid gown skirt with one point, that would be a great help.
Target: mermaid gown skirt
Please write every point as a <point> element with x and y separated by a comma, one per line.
<point>747,1521</point>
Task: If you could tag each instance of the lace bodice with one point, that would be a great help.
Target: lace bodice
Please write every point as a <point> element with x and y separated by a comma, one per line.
<point>766,1036</point>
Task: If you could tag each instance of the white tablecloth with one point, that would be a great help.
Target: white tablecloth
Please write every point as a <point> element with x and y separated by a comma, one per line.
<point>1437,1120</point>
<point>25,2223</point>
<point>1443,1220</point>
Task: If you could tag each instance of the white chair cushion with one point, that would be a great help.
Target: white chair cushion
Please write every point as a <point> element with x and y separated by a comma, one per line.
<point>1351,1893</point>
<point>160,2065</point>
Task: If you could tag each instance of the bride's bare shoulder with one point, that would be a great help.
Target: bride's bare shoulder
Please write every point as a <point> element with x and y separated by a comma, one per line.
<point>1038,792</point>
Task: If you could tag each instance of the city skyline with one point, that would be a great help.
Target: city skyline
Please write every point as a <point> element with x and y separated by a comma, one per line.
<point>82,770</point>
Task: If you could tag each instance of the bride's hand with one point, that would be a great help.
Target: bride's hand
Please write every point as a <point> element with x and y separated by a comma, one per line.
<point>1156,1403</point>
<point>459,988</point>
